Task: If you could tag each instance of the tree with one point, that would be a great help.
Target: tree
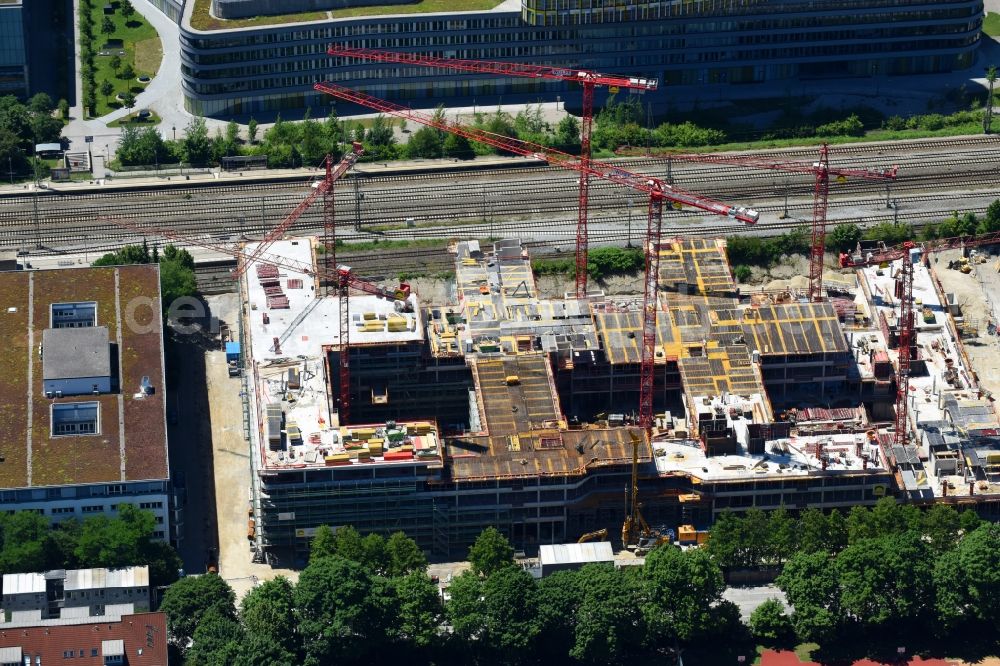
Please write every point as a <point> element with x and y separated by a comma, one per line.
<point>115,543</point>
<point>24,542</point>
<point>380,133</point>
<point>742,273</point>
<point>609,623</point>
<point>680,589</point>
<point>404,556</point>
<point>425,142</point>
<point>967,578</point>
<point>63,109</point>
<point>491,552</point>
<point>323,544</point>
<point>458,147</point>
<point>991,222</point>
<point>116,63</point>
<point>268,611</point>
<point>339,608</point>
<point>216,640</point>
<point>252,131</point>
<point>871,589</point>
<point>782,530</point>
<point>559,599</point>
<point>107,26</point>
<point>260,650</point>
<point>176,281</point>
<point>349,544</point>
<point>106,89</point>
<point>196,144</point>
<point>510,613</point>
<point>41,104</point>
<point>810,586</point>
<point>941,526</point>
<point>969,520</point>
<point>845,237</point>
<point>127,10</point>
<point>128,73</point>
<point>128,99</point>
<point>568,134</point>
<point>373,554</point>
<point>769,623</point>
<point>188,600</point>
<point>419,608</point>
<point>465,609</point>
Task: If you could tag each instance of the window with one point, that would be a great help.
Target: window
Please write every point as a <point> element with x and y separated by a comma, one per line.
<point>75,418</point>
<point>74,315</point>
<point>93,508</point>
<point>62,509</point>
<point>93,652</point>
<point>116,489</point>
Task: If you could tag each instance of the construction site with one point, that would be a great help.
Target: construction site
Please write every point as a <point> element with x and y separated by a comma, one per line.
<point>636,419</point>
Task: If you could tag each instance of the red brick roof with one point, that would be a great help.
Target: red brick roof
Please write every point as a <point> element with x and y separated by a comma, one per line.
<point>144,635</point>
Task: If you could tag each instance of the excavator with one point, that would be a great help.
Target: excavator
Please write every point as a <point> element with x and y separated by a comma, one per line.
<point>599,535</point>
<point>648,538</point>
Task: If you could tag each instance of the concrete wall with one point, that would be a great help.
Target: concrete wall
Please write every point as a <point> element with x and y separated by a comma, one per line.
<point>231,9</point>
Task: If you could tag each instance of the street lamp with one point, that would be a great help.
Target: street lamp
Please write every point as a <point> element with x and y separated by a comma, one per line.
<point>174,128</point>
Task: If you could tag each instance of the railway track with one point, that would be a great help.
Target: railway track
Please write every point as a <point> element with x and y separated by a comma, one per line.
<point>515,203</point>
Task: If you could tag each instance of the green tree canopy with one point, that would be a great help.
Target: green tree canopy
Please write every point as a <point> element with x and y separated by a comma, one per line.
<point>188,600</point>
<point>196,145</point>
<point>342,609</point>
<point>770,624</point>
<point>510,613</point>
<point>216,640</point>
<point>680,590</point>
<point>420,611</point>
<point>491,552</point>
<point>405,557</point>
<point>268,612</point>
<point>967,578</point>
<point>323,544</point>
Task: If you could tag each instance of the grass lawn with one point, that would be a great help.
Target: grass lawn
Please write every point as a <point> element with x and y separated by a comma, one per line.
<point>991,25</point>
<point>201,19</point>
<point>142,50</point>
<point>132,119</point>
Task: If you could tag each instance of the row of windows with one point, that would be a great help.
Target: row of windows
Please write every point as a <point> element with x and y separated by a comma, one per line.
<point>70,654</point>
<point>508,28</point>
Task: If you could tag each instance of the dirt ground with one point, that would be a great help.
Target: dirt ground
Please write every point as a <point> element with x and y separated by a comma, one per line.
<point>231,463</point>
<point>973,293</point>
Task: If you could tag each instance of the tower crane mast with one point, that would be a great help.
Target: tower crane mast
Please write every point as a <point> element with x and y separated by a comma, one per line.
<point>322,188</point>
<point>821,194</point>
<point>904,293</point>
<point>658,192</point>
<point>341,277</point>
<point>587,79</point>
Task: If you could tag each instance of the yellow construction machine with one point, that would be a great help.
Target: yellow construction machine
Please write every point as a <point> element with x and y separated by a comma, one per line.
<point>599,535</point>
<point>648,538</point>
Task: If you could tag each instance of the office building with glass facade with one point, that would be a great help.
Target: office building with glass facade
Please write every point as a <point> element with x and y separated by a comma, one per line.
<point>13,56</point>
<point>695,49</point>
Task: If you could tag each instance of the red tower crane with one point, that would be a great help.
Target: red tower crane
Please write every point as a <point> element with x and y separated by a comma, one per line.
<point>821,194</point>
<point>341,277</point>
<point>904,292</point>
<point>589,80</point>
<point>322,188</point>
<point>658,191</point>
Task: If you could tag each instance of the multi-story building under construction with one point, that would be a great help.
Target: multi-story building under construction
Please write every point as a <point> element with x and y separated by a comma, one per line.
<point>505,408</point>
